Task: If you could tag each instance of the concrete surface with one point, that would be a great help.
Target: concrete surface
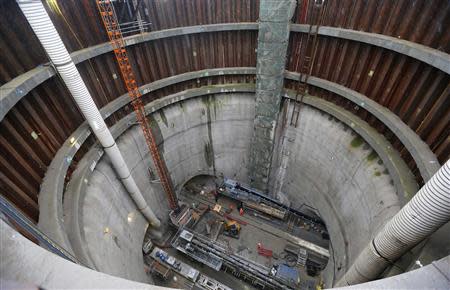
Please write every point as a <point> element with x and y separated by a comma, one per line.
<point>403,179</point>
<point>17,88</point>
<point>50,197</point>
<point>428,55</point>
<point>24,264</point>
<point>425,159</point>
<point>433,276</point>
<point>96,209</point>
<point>187,96</point>
<point>273,39</point>
<point>212,134</point>
<point>51,192</point>
<point>109,227</point>
<point>333,170</point>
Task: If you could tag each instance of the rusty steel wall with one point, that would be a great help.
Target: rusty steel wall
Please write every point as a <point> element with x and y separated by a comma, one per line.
<point>424,22</point>
<point>80,26</point>
<point>418,93</point>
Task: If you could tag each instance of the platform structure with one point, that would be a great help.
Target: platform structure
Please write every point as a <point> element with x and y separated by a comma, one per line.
<point>239,266</point>
<point>184,242</point>
<point>164,265</point>
<point>290,252</point>
<point>181,268</point>
<point>259,228</point>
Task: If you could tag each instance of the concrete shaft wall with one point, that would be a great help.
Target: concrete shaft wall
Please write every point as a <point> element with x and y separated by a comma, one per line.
<point>331,169</point>
<point>105,229</point>
<point>273,39</point>
<point>205,135</point>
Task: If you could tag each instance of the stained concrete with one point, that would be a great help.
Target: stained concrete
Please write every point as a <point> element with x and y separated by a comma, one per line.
<point>425,159</point>
<point>331,169</point>
<point>51,192</point>
<point>348,186</point>
<point>50,220</point>
<point>97,208</point>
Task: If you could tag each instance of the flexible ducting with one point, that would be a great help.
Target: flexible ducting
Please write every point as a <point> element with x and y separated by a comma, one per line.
<point>44,29</point>
<point>427,211</point>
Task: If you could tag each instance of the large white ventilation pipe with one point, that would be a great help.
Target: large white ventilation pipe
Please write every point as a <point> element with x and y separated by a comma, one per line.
<point>427,211</point>
<point>48,36</point>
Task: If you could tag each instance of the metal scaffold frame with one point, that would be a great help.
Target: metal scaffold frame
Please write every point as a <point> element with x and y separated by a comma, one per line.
<point>114,33</point>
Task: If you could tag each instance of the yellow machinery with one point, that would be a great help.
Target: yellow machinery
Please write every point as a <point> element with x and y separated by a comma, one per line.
<point>232,229</point>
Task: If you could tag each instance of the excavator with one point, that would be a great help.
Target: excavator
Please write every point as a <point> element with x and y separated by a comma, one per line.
<point>232,229</point>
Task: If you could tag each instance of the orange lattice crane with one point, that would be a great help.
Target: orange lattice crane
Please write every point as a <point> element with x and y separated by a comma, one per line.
<point>112,27</point>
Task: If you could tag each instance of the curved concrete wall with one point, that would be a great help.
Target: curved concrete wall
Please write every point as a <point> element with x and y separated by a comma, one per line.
<point>201,135</point>
<point>333,170</point>
<point>111,228</point>
<point>211,134</point>
<point>25,265</point>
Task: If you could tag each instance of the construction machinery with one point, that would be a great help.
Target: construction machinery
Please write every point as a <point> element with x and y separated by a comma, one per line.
<point>217,256</point>
<point>232,228</point>
<point>164,272</point>
<point>289,275</point>
<point>183,269</point>
<point>184,241</point>
<point>264,251</point>
<point>112,27</point>
<point>256,200</point>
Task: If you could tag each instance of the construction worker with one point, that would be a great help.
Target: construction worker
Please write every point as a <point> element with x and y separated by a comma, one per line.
<point>216,195</point>
<point>240,207</point>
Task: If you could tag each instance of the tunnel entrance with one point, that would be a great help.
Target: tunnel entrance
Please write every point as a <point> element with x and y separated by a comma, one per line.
<point>227,234</point>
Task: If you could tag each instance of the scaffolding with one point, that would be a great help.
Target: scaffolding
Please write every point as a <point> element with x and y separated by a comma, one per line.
<point>114,33</point>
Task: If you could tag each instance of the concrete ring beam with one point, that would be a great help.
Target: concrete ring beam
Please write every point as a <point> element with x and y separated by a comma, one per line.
<point>52,187</point>
<point>425,159</point>
<point>403,179</point>
<point>428,55</point>
<point>14,90</point>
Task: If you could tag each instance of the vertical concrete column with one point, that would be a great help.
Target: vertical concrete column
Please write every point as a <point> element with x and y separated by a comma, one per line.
<point>273,38</point>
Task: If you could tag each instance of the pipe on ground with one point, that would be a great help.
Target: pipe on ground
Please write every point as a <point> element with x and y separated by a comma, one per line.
<point>44,29</point>
<point>426,212</point>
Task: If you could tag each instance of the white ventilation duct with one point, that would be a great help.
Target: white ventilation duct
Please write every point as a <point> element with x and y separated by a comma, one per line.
<point>44,29</point>
<point>426,212</point>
